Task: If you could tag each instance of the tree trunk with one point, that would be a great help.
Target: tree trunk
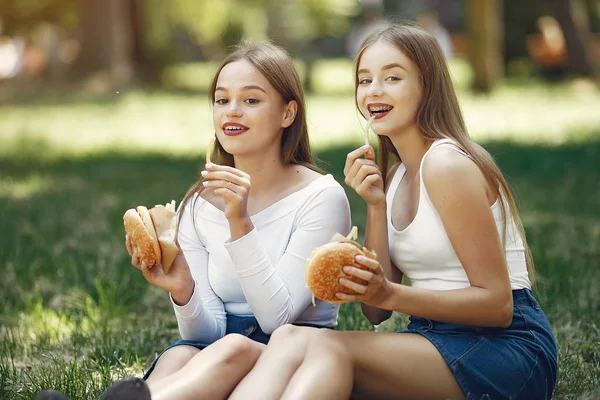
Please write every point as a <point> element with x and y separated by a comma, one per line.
<point>486,37</point>
<point>108,38</point>
<point>574,20</point>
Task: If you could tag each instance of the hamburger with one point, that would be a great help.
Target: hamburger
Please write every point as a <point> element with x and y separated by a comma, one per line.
<point>324,267</point>
<point>153,234</point>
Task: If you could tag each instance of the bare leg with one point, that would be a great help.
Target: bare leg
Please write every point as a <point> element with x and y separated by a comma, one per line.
<point>170,362</point>
<point>212,373</point>
<point>385,366</point>
<point>276,365</point>
<point>382,365</point>
<point>331,378</point>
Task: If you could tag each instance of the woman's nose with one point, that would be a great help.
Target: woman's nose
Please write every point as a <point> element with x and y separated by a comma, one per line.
<point>234,110</point>
<point>375,89</point>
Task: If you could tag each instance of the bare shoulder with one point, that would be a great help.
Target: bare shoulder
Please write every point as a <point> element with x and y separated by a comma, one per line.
<point>448,173</point>
<point>299,176</point>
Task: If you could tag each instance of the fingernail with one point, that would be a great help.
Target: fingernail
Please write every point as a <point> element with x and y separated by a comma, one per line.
<point>209,165</point>
<point>204,183</point>
<point>342,280</point>
<point>359,258</point>
<point>346,269</point>
<point>204,173</point>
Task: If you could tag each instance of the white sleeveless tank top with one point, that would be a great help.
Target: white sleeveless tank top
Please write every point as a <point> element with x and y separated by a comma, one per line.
<point>423,252</point>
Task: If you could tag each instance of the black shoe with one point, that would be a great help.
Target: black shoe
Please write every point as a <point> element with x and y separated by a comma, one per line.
<point>127,389</point>
<point>51,395</point>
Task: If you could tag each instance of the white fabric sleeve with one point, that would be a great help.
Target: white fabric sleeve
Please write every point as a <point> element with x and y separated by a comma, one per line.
<point>203,318</point>
<point>277,294</point>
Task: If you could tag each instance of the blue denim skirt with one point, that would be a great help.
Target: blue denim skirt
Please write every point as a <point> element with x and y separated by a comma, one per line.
<point>246,326</point>
<point>518,362</point>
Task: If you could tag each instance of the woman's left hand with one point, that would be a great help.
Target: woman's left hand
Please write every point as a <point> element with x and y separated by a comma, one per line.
<point>376,288</point>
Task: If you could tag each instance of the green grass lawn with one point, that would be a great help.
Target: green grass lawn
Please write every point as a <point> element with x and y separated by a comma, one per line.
<point>75,315</point>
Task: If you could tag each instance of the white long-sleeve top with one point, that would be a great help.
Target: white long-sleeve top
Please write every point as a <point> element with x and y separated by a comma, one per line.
<point>262,273</point>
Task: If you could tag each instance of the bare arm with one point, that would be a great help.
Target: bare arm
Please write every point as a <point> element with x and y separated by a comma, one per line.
<point>364,176</point>
<point>376,238</point>
<point>460,194</point>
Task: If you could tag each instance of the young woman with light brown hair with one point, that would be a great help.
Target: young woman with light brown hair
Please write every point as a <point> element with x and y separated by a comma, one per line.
<point>443,217</point>
<point>245,232</point>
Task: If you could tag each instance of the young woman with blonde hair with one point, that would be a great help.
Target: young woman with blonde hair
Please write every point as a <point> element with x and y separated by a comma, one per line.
<point>443,217</point>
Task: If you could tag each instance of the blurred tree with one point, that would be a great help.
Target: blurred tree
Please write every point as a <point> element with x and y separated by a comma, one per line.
<point>108,39</point>
<point>20,16</point>
<point>484,19</point>
<point>574,21</point>
<point>520,21</point>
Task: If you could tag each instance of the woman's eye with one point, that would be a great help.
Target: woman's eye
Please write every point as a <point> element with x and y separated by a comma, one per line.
<point>252,101</point>
<point>221,101</point>
<point>364,81</point>
<point>393,78</point>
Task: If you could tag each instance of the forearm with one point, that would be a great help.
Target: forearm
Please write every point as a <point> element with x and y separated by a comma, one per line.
<point>266,292</point>
<point>197,322</point>
<point>376,239</point>
<point>469,306</point>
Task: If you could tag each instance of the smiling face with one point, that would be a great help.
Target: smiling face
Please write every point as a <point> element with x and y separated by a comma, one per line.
<point>389,87</point>
<point>249,114</point>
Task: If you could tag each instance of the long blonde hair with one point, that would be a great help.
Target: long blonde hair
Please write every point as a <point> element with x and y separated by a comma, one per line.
<point>438,114</point>
<point>276,65</point>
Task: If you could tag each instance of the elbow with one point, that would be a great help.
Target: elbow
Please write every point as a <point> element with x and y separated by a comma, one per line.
<point>269,328</point>
<point>505,313</point>
<point>375,315</point>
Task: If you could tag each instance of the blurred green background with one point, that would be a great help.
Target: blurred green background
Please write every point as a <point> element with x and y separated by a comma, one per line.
<point>103,107</point>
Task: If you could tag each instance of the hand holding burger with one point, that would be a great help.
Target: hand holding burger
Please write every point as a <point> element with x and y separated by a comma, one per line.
<point>145,229</point>
<point>343,271</point>
<point>151,234</point>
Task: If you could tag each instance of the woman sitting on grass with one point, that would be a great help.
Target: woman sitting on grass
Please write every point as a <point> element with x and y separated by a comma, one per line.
<point>444,217</point>
<point>246,229</point>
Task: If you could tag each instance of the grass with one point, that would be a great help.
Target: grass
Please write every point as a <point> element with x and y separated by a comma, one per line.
<point>74,314</point>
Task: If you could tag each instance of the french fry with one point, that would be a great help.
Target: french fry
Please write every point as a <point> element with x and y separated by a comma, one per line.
<point>367,128</point>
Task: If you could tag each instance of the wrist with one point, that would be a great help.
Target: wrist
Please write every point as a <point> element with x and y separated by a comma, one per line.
<point>182,295</point>
<point>376,209</point>
<point>388,293</point>
<point>240,227</point>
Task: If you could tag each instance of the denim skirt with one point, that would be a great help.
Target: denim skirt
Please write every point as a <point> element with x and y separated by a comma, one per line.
<point>244,325</point>
<point>518,362</point>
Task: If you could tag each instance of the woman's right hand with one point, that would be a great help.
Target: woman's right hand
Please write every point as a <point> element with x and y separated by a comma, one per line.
<point>178,281</point>
<point>363,175</point>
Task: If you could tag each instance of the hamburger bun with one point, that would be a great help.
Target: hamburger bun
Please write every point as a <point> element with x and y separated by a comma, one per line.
<point>152,233</point>
<point>164,219</point>
<point>141,239</point>
<point>147,220</point>
<point>324,268</point>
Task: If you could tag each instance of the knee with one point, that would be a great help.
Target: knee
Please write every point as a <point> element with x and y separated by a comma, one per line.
<point>236,347</point>
<point>177,357</point>
<point>325,344</point>
<point>291,333</point>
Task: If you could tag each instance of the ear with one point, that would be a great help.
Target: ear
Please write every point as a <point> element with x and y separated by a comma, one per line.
<point>290,114</point>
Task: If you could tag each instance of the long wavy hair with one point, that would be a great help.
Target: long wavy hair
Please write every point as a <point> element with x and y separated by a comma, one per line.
<point>276,65</point>
<point>438,114</point>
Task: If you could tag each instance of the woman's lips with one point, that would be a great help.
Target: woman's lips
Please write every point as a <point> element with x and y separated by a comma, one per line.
<point>379,110</point>
<point>233,129</point>
<point>380,114</point>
